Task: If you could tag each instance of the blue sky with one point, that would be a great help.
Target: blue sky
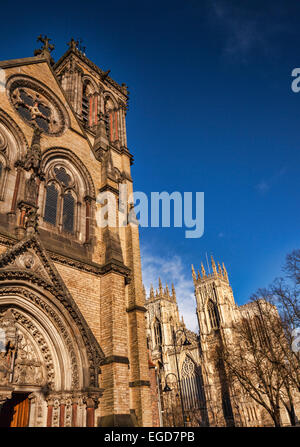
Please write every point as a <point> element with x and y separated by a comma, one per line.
<point>211,109</point>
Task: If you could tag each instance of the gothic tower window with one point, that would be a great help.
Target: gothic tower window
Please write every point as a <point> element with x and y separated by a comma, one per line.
<point>213,313</point>
<point>157,333</point>
<point>89,108</point>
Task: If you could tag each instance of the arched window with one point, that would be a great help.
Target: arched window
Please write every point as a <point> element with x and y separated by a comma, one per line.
<point>213,313</point>
<point>193,386</point>
<point>60,200</point>
<point>68,212</point>
<point>172,330</point>
<point>157,333</point>
<point>74,195</point>
<point>50,214</point>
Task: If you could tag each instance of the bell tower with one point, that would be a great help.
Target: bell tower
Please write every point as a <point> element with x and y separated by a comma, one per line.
<point>214,298</point>
<point>216,312</point>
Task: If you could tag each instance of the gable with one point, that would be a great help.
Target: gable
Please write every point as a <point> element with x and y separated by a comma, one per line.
<point>39,72</point>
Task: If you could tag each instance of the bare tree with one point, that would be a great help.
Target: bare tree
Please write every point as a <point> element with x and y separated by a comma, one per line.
<point>260,357</point>
<point>252,363</point>
<point>284,294</point>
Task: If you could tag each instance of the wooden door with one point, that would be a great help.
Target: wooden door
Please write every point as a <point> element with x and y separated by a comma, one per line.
<point>15,411</point>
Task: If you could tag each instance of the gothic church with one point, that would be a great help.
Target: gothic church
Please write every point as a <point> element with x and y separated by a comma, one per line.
<point>72,316</point>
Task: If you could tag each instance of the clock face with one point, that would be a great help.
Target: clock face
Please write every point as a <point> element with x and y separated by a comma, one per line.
<point>37,105</point>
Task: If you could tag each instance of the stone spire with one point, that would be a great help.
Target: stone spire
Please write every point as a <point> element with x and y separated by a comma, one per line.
<point>173,292</point>
<point>225,272</point>
<point>203,270</point>
<point>151,292</point>
<point>213,265</point>
<point>194,275</point>
<point>167,291</point>
<point>220,269</point>
<point>160,287</point>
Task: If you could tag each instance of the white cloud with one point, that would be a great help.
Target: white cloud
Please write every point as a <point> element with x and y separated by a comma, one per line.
<point>171,269</point>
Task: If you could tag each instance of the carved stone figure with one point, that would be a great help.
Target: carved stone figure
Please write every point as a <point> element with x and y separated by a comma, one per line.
<point>31,190</point>
<point>33,157</point>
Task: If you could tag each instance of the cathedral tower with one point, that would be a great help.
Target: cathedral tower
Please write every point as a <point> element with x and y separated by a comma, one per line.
<point>216,312</point>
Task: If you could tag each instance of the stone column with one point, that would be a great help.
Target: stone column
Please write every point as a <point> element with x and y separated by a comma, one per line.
<point>75,401</point>
<point>50,403</point>
<point>91,405</point>
<point>62,412</point>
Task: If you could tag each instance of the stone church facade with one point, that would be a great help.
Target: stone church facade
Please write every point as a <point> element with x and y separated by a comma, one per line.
<point>72,315</point>
<point>208,399</point>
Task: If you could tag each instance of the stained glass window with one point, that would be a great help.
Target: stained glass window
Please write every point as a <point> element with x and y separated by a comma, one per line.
<point>62,176</point>
<point>51,204</point>
<point>68,212</point>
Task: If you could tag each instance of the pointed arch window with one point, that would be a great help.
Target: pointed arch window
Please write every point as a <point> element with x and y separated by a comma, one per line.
<point>157,333</point>
<point>193,386</point>
<point>61,200</point>
<point>50,214</point>
<point>213,313</point>
<point>89,106</point>
<point>68,212</point>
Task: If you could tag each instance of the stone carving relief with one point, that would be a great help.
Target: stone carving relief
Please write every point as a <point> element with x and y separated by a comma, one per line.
<point>27,368</point>
<point>27,359</point>
<point>188,368</point>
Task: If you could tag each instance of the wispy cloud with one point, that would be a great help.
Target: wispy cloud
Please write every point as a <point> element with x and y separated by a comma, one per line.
<point>171,269</point>
<point>265,185</point>
<point>247,29</point>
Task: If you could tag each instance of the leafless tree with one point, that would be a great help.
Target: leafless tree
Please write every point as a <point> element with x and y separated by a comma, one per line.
<point>261,357</point>
<point>284,294</point>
